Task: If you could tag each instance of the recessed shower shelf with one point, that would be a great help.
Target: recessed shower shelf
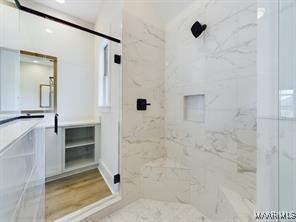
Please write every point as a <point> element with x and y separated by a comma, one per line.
<point>194,108</point>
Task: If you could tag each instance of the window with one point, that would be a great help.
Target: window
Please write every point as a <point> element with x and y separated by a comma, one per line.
<point>104,77</point>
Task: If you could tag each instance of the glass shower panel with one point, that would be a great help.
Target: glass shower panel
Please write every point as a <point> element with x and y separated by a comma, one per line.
<point>287,99</point>
<point>83,140</point>
<point>9,60</point>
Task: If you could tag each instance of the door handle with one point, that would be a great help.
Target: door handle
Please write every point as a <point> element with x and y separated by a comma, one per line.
<point>56,123</point>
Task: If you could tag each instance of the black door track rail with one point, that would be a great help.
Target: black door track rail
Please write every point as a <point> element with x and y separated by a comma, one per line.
<point>50,17</point>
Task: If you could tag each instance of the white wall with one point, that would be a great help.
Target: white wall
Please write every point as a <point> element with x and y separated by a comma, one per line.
<point>9,27</point>
<point>59,14</point>
<point>74,50</point>
<point>32,75</point>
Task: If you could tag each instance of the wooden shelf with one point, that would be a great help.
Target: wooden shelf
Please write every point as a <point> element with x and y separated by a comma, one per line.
<point>79,143</point>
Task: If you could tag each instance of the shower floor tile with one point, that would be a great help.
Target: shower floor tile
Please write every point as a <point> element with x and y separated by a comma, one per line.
<point>145,210</point>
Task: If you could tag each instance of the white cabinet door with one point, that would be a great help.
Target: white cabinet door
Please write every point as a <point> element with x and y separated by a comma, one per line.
<point>53,152</point>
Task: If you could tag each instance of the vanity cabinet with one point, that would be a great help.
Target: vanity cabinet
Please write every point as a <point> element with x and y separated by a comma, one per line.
<point>53,152</point>
<point>73,149</point>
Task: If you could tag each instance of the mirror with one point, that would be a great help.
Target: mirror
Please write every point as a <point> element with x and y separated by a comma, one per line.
<point>9,80</point>
<point>38,75</point>
<point>45,96</point>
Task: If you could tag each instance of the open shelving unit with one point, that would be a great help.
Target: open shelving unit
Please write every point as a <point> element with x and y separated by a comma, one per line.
<point>79,143</point>
<point>79,147</point>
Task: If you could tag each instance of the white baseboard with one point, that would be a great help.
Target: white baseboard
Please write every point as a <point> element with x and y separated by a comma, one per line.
<point>107,175</point>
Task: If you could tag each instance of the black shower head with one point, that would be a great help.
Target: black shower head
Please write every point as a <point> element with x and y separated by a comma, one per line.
<point>197,29</point>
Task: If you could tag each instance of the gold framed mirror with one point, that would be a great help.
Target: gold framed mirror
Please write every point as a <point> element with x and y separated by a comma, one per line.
<point>38,82</point>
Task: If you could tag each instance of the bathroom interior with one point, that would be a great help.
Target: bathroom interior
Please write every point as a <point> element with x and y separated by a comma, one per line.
<point>147,110</point>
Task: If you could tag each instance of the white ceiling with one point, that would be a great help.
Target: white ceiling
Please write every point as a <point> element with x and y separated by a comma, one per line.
<point>168,9</point>
<point>157,11</point>
<point>86,10</point>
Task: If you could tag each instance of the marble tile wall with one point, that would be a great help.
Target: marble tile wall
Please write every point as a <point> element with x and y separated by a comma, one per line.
<point>221,64</point>
<point>166,180</point>
<point>164,66</point>
<point>143,131</point>
<point>232,207</point>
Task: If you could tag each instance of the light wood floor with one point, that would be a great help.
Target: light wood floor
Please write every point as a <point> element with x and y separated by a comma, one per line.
<point>66,195</point>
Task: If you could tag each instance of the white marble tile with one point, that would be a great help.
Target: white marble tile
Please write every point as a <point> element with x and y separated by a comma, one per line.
<point>163,66</point>
<point>221,64</point>
<point>143,132</point>
<point>154,211</point>
<point>231,205</point>
<point>167,180</point>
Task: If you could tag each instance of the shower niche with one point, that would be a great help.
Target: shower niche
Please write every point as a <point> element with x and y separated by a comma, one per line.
<point>194,108</point>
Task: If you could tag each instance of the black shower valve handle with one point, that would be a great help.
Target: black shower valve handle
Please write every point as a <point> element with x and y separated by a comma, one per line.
<point>142,104</point>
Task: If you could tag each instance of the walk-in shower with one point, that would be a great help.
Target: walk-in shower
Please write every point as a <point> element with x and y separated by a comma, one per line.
<point>183,110</point>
